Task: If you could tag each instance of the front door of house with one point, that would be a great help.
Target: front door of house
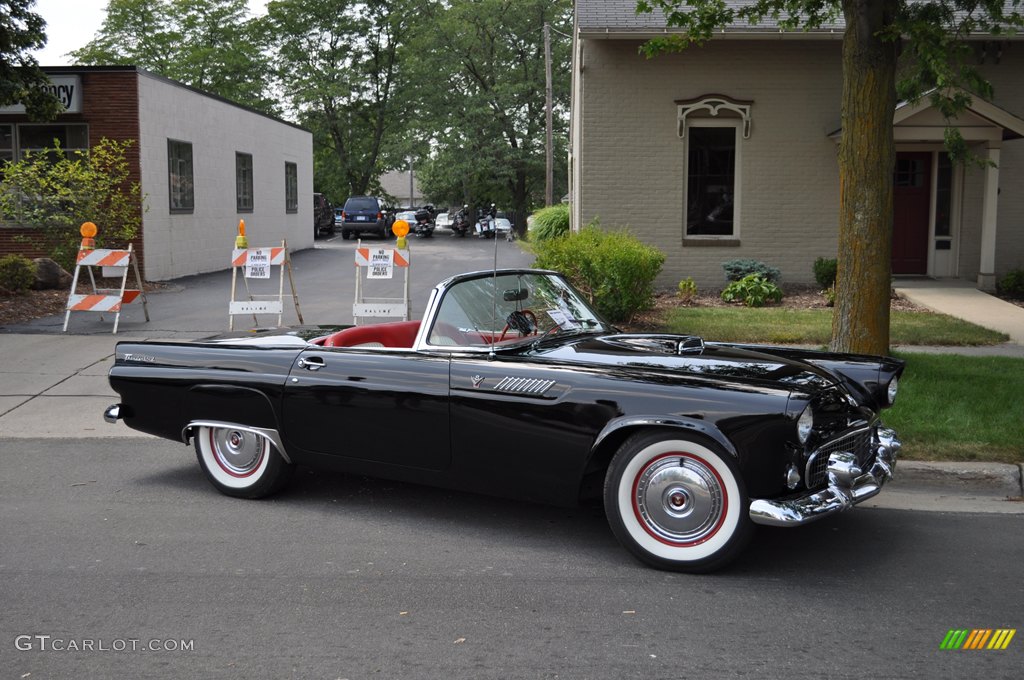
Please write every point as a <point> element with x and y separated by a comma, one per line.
<point>911,202</point>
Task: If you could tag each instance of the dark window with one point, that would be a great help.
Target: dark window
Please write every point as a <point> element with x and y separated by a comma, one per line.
<point>291,187</point>
<point>71,138</point>
<point>6,142</point>
<point>179,172</point>
<point>943,196</point>
<point>354,204</point>
<point>910,173</point>
<point>243,182</point>
<point>710,180</point>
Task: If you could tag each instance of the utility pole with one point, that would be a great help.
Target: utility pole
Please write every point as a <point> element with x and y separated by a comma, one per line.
<point>549,172</point>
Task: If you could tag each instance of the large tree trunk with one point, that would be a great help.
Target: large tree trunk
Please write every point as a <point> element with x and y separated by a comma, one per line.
<point>860,322</point>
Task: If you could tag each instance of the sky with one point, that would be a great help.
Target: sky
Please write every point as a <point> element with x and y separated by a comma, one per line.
<point>70,24</point>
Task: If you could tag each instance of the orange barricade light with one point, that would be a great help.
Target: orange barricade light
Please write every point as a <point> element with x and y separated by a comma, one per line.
<point>401,230</point>
<point>241,242</point>
<point>88,232</point>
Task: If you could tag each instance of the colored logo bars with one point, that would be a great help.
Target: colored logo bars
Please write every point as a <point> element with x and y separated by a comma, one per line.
<point>979,638</point>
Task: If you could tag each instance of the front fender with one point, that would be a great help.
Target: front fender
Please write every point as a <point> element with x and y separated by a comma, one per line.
<point>680,422</point>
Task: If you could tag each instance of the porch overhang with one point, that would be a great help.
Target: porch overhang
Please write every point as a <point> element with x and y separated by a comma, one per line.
<point>981,123</point>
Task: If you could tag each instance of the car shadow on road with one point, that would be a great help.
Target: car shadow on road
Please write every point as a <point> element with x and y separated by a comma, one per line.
<point>859,540</point>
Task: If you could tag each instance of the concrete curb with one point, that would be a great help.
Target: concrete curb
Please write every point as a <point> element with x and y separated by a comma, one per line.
<point>994,479</point>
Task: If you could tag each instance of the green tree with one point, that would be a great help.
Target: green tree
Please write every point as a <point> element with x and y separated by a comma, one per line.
<point>54,192</point>
<point>905,48</point>
<point>208,44</point>
<point>21,80</point>
<point>483,120</point>
<point>340,66</point>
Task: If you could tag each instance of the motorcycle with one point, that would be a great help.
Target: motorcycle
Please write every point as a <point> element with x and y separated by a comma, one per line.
<point>424,226</point>
<point>460,223</point>
<point>486,226</point>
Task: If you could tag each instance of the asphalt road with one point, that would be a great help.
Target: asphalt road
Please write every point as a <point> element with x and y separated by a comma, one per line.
<point>105,541</point>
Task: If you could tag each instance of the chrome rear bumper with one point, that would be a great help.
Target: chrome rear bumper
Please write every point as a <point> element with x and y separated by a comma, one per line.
<point>847,486</point>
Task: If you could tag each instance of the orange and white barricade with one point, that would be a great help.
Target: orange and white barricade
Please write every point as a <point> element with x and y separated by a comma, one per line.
<point>256,264</point>
<point>380,262</point>
<point>114,263</point>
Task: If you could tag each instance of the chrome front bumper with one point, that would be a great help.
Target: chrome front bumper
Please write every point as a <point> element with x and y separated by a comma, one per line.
<point>848,485</point>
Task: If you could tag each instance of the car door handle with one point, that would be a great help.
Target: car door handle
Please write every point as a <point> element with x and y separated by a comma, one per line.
<point>312,363</point>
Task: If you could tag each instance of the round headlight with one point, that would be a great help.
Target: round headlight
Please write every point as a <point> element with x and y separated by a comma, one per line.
<point>804,425</point>
<point>890,393</point>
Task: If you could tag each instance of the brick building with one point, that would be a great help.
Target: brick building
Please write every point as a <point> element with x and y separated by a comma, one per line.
<point>729,151</point>
<point>203,163</point>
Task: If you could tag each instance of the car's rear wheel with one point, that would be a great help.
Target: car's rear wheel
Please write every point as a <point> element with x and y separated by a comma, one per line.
<point>677,503</point>
<point>346,234</point>
<point>240,462</point>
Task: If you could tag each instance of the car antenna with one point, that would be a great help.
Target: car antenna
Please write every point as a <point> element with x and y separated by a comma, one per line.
<point>494,288</point>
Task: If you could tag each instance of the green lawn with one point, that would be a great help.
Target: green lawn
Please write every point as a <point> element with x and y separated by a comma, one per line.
<point>953,407</point>
<point>777,325</point>
<point>950,407</point>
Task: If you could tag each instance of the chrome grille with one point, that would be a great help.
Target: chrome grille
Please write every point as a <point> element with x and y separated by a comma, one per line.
<point>859,443</point>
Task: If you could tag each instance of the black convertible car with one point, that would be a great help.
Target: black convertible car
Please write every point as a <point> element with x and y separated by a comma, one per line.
<point>513,386</point>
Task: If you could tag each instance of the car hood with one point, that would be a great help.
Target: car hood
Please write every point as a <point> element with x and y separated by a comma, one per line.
<point>690,355</point>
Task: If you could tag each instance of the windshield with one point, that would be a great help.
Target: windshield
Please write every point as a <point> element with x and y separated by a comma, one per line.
<point>526,306</point>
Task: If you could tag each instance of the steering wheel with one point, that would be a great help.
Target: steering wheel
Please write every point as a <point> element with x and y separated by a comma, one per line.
<point>512,322</point>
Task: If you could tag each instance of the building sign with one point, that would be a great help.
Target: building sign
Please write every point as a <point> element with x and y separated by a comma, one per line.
<point>67,89</point>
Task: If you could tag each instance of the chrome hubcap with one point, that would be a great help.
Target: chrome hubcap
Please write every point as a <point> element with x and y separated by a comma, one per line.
<point>679,499</point>
<point>237,451</point>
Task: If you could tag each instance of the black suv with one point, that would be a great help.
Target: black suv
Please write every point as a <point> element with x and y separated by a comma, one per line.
<point>366,214</point>
<point>323,215</point>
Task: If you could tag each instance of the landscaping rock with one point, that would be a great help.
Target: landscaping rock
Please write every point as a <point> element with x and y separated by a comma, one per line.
<point>50,275</point>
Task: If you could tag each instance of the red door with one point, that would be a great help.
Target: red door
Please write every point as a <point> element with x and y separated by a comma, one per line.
<point>911,201</point>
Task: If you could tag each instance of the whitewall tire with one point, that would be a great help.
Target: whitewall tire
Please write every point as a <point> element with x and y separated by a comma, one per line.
<point>240,462</point>
<point>676,502</point>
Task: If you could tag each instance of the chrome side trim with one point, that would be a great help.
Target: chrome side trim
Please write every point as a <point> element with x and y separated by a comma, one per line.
<point>269,434</point>
<point>112,413</point>
<point>847,486</point>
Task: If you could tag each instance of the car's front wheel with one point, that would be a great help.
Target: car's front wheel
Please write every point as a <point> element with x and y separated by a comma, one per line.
<point>677,503</point>
<point>240,462</point>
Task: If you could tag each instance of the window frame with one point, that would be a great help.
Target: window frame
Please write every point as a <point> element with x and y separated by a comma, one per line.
<point>180,208</point>
<point>291,187</point>
<point>243,183</point>
<point>737,125</point>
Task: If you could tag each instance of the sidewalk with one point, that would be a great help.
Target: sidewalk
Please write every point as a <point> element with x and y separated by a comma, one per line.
<point>961,299</point>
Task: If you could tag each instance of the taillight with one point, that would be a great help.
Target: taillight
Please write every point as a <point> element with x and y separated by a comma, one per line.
<point>342,214</point>
<point>380,215</point>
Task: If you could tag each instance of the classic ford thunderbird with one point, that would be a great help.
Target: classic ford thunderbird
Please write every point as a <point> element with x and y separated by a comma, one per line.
<point>513,385</point>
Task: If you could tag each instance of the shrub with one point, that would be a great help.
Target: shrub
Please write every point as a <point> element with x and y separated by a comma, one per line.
<point>736,270</point>
<point>687,289</point>
<point>1013,283</point>
<point>17,273</point>
<point>613,269</point>
<point>825,271</point>
<point>550,222</point>
<point>830,296</point>
<point>753,290</point>
<point>54,191</point>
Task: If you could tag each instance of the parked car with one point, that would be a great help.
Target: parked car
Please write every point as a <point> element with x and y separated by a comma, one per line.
<point>407,215</point>
<point>443,221</point>
<point>366,214</point>
<point>323,215</point>
<point>338,217</point>
<point>512,385</point>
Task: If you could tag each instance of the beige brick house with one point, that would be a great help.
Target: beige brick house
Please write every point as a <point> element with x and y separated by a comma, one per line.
<point>730,151</point>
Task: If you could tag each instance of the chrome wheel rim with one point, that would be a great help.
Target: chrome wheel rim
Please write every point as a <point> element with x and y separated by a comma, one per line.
<point>679,499</point>
<point>237,452</point>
